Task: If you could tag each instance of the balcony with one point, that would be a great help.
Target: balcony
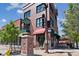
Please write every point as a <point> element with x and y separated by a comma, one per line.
<point>25,30</point>
<point>26,21</point>
<point>26,25</point>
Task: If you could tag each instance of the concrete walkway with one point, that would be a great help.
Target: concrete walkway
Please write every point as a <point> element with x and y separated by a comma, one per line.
<point>58,52</point>
<point>3,49</point>
<point>53,52</point>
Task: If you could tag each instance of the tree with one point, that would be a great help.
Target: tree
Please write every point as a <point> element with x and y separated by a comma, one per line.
<point>10,33</point>
<point>3,36</point>
<point>71,24</point>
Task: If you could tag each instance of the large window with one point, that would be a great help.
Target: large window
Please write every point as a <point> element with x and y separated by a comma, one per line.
<point>27,14</point>
<point>39,22</point>
<point>40,8</point>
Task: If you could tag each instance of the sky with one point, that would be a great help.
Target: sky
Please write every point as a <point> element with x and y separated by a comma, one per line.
<point>8,12</point>
<point>60,18</point>
<point>11,11</point>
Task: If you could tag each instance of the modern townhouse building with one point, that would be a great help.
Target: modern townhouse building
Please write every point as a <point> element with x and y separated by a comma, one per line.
<point>35,12</point>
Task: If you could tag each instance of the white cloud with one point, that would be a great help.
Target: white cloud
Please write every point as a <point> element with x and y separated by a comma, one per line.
<point>19,11</point>
<point>55,4</point>
<point>63,20</point>
<point>15,5</point>
<point>12,6</point>
<point>60,21</point>
<point>3,20</point>
<point>61,32</point>
<point>60,28</point>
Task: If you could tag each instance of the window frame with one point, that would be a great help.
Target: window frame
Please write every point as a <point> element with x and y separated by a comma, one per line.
<point>40,22</point>
<point>40,8</point>
<point>27,13</point>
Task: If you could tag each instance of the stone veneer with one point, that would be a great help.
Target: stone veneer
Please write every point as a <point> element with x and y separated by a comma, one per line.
<point>26,45</point>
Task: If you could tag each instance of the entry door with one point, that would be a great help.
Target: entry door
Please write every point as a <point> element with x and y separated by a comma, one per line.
<point>41,39</point>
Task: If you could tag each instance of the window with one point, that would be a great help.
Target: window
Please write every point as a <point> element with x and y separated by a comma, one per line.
<point>40,8</point>
<point>27,14</point>
<point>40,39</point>
<point>39,22</point>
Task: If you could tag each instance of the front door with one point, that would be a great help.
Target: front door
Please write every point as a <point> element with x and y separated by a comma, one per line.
<point>41,39</point>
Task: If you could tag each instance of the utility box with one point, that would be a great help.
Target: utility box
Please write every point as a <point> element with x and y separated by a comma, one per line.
<point>26,44</point>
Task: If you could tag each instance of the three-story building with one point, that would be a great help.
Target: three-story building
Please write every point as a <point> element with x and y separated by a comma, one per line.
<point>34,12</point>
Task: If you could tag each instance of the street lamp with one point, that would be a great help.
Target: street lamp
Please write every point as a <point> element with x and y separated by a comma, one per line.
<point>46,32</point>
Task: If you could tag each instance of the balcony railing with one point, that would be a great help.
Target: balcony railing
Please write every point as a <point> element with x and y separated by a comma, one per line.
<point>25,30</point>
<point>25,23</point>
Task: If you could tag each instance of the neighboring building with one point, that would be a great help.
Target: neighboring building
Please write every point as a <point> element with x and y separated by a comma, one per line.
<point>3,27</point>
<point>34,12</point>
<point>16,23</point>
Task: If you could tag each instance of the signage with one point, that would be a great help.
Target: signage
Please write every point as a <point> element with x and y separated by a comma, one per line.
<point>49,30</point>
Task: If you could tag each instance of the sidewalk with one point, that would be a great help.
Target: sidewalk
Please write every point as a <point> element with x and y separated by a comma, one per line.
<point>58,52</point>
<point>3,49</point>
<point>53,52</point>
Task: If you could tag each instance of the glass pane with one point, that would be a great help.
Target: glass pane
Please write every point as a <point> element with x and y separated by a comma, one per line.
<point>41,39</point>
<point>40,19</point>
<point>37,24</point>
<point>40,8</point>
<point>37,20</point>
<point>41,24</point>
<point>27,14</point>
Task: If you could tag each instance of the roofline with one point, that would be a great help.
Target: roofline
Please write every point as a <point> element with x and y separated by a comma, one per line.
<point>28,6</point>
<point>8,23</point>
